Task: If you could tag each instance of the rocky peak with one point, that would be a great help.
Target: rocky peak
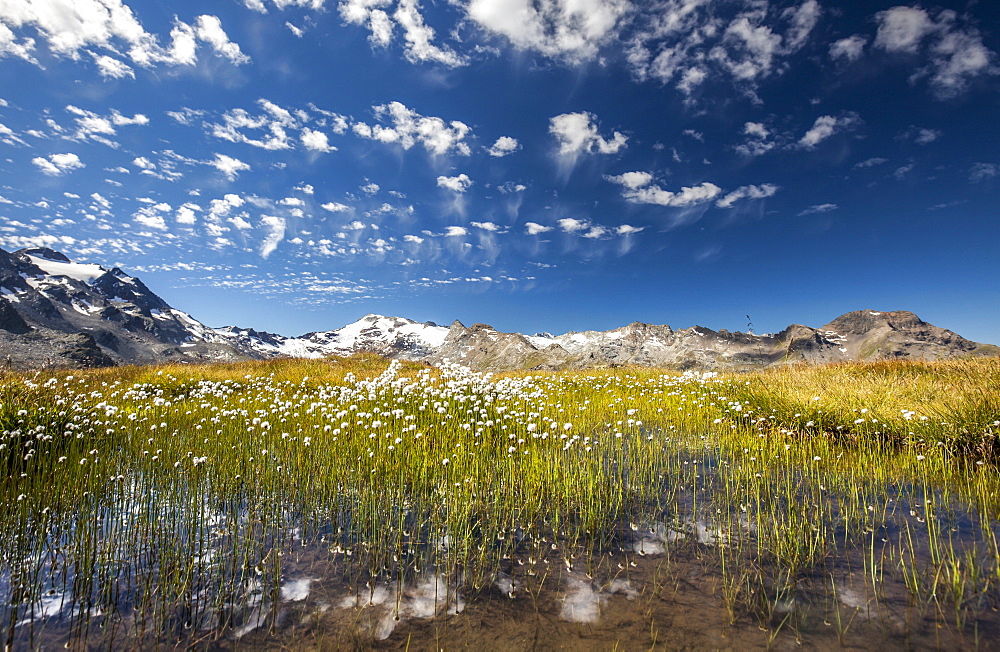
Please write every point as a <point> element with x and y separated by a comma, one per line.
<point>43,252</point>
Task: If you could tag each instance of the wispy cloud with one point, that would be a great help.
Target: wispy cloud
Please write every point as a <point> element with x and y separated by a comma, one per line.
<point>818,208</point>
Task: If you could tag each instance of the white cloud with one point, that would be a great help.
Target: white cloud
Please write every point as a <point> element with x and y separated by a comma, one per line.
<point>510,187</point>
<point>849,49</point>
<point>801,21</point>
<point>756,129</point>
<point>367,13</point>
<point>280,5</point>
<point>826,126</point>
<point>758,140</point>
<point>10,47</point>
<point>569,29</point>
<point>143,163</point>
<point>151,216</point>
<point>461,183</point>
<point>209,29</point>
<point>956,58</point>
<point>748,49</point>
<point>632,180</point>
<point>186,213</point>
<point>240,223</point>
<point>381,27</point>
<point>456,231</point>
<point>239,126</point>
<point>983,171</point>
<point>871,162</point>
<point>901,172</point>
<point>533,228</point>
<point>503,146</point>
<point>335,207</point>
<point>275,227</point>
<point>628,229</point>
<point>370,188</point>
<point>818,208</point>
<point>58,164</point>
<point>686,42</point>
<point>229,166</point>
<point>901,29</point>
<point>925,136</point>
<point>137,119</point>
<point>638,188</point>
<point>748,192</point>
<point>415,239</point>
<point>572,225</point>
<point>486,226</point>
<point>316,141</point>
<point>297,31</point>
<point>111,68</point>
<point>419,37</point>
<point>219,208</point>
<point>409,128</point>
<point>577,133</point>
<point>8,136</point>
<point>101,200</point>
<point>96,127</point>
<point>955,55</point>
<point>71,27</point>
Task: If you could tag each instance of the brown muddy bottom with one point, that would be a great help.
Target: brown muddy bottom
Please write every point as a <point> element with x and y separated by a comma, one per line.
<point>672,595</point>
<point>676,601</point>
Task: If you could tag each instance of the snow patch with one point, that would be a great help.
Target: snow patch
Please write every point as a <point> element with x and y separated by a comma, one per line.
<point>83,272</point>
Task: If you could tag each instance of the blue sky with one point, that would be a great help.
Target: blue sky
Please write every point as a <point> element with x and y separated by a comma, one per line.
<point>292,165</point>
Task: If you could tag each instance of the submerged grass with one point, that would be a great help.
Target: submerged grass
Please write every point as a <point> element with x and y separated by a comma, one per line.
<point>178,504</point>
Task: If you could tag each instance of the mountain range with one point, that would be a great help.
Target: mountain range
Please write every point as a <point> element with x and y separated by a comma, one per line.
<point>56,312</point>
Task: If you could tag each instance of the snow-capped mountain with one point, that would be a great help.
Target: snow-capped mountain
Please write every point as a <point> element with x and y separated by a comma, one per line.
<point>393,337</point>
<point>54,311</point>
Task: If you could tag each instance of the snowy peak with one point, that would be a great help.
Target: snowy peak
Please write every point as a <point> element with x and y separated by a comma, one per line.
<point>44,253</point>
<point>57,311</point>
<point>67,312</point>
<point>394,337</point>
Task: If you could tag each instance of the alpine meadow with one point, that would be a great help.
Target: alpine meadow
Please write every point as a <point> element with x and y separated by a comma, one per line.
<point>499,325</point>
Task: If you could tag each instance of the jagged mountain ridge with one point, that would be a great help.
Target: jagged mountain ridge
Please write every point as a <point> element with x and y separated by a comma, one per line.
<point>57,312</point>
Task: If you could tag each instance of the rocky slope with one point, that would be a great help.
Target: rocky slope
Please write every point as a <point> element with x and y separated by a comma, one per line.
<point>54,312</point>
<point>57,312</point>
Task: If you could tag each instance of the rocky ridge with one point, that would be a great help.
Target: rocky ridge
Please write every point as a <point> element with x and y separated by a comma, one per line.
<point>55,312</point>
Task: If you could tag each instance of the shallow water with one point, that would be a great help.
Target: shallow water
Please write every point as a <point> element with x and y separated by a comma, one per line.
<point>689,574</point>
<point>660,603</point>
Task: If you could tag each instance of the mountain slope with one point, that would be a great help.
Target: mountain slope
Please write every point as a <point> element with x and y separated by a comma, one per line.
<point>394,337</point>
<point>54,311</point>
<point>57,312</point>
